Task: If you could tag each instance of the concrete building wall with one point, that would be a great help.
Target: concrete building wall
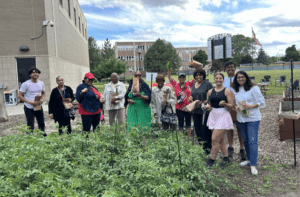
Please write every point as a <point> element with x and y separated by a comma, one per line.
<point>65,41</point>
<point>21,20</point>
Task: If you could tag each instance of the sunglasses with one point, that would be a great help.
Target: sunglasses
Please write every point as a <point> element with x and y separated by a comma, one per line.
<point>91,79</point>
<point>137,75</point>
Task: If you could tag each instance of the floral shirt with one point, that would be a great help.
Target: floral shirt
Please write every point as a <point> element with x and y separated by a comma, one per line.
<point>183,94</point>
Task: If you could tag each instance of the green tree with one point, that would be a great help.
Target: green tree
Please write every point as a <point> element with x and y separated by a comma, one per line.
<point>159,54</point>
<point>271,60</point>
<point>247,59</point>
<point>108,51</point>
<point>105,69</point>
<point>292,53</point>
<point>262,56</point>
<point>94,55</point>
<point>241,46</point>
<point>201,57</point>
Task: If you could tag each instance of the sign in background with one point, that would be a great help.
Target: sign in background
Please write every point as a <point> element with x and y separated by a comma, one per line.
<point>219,47</point>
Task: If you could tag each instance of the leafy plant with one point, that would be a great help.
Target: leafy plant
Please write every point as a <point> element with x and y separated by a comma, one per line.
<point>109,163</point>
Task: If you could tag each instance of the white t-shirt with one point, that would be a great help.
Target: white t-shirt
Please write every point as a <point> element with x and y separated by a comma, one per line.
<point>31,90</point>
<point>226,82</point>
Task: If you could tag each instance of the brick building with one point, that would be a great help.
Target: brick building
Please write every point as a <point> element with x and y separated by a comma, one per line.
<point>61,50</point>
<point>128,51</point>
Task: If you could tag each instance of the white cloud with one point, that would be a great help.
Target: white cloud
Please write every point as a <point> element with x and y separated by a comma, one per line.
<point>186,23</point>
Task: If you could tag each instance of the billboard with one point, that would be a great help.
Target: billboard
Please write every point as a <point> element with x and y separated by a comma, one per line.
<point>219,47</point>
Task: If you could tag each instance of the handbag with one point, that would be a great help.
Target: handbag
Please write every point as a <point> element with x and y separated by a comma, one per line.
<point>68,106</point>
<point>168,117</point>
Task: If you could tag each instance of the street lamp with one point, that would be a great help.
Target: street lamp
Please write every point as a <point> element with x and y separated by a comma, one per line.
<point>139,52</point>
<point>123,59</point>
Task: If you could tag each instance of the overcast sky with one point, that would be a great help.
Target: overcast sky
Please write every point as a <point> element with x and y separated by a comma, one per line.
<point>188,23</point>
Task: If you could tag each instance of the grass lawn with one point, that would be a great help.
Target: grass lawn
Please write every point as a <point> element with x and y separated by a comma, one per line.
<point>257,74</point>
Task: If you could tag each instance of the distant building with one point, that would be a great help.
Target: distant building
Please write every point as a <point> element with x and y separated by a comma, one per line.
<point>128,51</point>
<point>61,50</point>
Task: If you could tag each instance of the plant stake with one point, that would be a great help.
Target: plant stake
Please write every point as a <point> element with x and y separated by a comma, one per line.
<point>295,163</point>
<point>179,154</point>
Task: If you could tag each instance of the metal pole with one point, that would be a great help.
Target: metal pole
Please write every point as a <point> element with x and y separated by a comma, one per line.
<point>151,81</point>
<point>295,163</point>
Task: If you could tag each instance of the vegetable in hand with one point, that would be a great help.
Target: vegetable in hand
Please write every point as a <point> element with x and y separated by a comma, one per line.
<point>244,111</point>
<point>169,65</point>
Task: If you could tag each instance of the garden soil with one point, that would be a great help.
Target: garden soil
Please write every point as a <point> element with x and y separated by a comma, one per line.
<point>281,182</point>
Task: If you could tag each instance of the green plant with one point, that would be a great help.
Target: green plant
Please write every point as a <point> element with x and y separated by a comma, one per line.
<point>109,163</point>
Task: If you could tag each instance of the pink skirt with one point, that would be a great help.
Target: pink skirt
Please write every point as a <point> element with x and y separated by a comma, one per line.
<point>219,118</point>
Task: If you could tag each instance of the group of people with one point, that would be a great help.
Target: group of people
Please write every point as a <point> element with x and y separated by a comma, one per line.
<point>217,108</point>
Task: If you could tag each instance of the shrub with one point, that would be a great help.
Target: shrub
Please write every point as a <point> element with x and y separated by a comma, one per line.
<point>109,163</point>
<point>128,79</point>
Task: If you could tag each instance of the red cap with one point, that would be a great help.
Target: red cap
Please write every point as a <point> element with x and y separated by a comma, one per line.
<point>89,75</point>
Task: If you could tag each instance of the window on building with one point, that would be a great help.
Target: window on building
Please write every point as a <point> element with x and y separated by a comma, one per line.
<point>61,3</point>
<point>69,8</point>
<point>85,35</point>
<point>82,30</point>
<point>79,24</point>
<point>75,16</point>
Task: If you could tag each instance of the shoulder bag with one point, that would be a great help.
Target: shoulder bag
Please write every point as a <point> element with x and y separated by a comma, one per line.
<point>168,117</point>
<point>68,106</point>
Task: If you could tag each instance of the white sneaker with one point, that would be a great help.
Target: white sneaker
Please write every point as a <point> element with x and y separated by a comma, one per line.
<point>254,170</point>
<point>245,163</point>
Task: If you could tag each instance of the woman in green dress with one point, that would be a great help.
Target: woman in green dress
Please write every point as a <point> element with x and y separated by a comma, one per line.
<point>139,111</point>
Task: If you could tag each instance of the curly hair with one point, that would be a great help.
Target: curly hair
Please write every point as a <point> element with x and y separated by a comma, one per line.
<point>160,77</point>
<point>201,72</point>
<point>33,69</point>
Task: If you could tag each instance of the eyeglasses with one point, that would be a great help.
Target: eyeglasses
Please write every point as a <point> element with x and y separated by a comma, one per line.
<point>137,75</point>
<point>91,80</point>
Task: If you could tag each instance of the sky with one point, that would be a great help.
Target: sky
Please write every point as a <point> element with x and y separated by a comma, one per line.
<point>189,23</point>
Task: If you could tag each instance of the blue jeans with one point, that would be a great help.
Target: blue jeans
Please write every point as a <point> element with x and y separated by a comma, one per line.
<point>249,132</point>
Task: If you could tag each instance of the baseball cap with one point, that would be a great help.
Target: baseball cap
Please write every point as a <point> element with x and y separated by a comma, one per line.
<point>181,74</point>
<point>89,75</point>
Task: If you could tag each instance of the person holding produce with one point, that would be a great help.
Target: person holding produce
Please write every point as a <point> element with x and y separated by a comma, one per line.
<point>90,103</point>
<point>32,93</point>
<point>114,93</point>
<point>163,98</point>
<point>199,93</point>
<point>220,100</point>
<point>248,99</point>
<point>57,110</point>
<point>138,96</point>
<point>182,93</point>
<point>230,69</point>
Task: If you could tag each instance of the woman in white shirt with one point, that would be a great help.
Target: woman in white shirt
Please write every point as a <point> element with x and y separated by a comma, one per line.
<point>244,90</point>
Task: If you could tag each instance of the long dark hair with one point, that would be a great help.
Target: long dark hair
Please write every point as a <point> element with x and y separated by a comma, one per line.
<point>248,84</point>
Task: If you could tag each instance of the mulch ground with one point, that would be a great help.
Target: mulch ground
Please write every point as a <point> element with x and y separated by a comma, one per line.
<point>277,174</point>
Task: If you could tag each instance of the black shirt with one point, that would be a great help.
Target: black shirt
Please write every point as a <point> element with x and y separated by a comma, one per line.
<point>200,93</point>
<point>216,97</point>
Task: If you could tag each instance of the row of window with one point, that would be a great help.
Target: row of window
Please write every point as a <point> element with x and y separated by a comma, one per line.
<point>131,68</point>
<point>185,59</point>
<point>188,51</point>
<point>80,25</point>
<point>131,58</point>
<point>186,68</point>
<point>130,48</point>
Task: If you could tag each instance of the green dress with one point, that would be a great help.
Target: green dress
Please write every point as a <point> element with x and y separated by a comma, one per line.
<point>138,114</point>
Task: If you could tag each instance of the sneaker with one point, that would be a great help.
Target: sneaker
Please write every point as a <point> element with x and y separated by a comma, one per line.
<point>210,163</point>
<point>254,170</point>
<point>225,162</point>
<point>230,151</point>
<point>245,163</point>
<point>243,154</point>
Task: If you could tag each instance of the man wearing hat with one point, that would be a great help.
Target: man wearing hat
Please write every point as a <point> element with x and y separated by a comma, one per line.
<point>90,103</point>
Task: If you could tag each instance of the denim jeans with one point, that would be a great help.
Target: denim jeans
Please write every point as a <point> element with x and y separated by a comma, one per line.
<point>249,132</point>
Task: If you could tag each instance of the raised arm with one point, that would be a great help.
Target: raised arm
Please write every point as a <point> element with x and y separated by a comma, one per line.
<point>169,76</point>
